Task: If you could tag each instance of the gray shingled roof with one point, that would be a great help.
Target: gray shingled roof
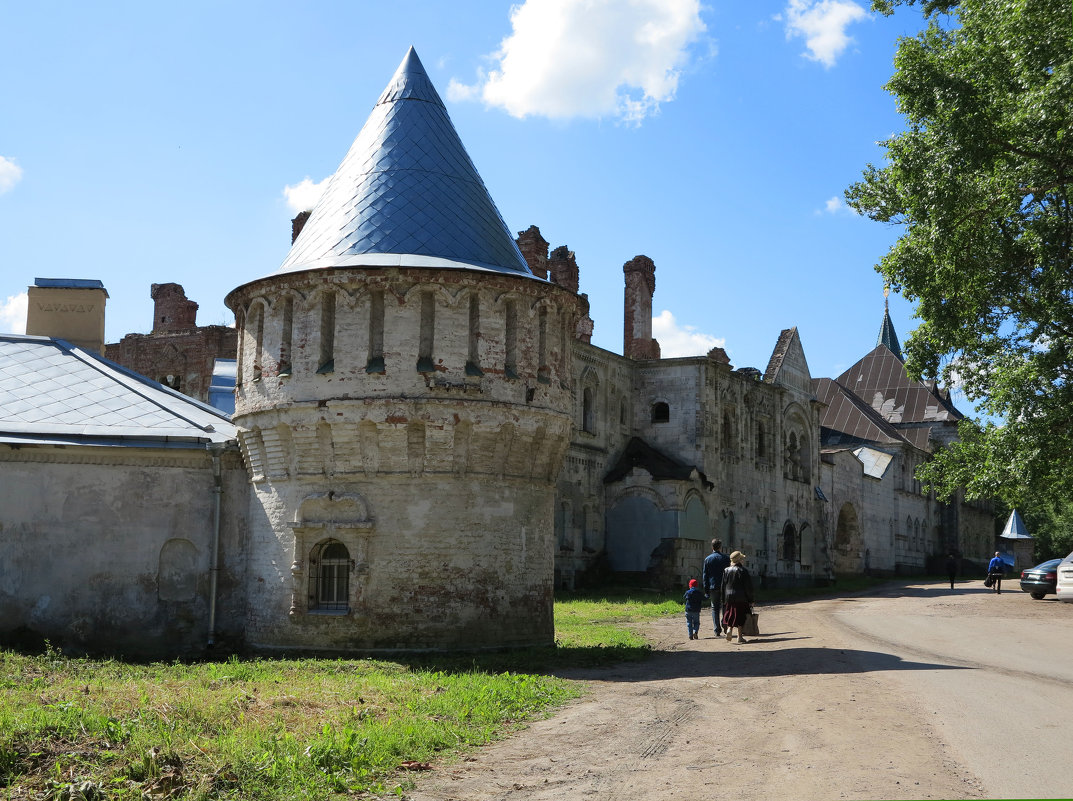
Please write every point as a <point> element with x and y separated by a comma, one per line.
<point>407,194</point>
<point>847,420</point>
<point>880,380</point>
<point>52,392</point>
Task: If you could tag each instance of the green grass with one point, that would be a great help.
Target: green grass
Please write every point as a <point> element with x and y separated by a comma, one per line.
<point>253,729</point>
<point>283,729</point>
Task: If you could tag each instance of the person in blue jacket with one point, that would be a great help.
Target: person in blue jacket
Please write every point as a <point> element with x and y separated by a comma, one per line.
<point>694,601</point>
<point>996,568</point>
<point>712,579</point>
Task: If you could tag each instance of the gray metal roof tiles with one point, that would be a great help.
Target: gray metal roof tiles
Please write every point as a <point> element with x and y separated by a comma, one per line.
<point>406,194</point>
<point>51,391</point>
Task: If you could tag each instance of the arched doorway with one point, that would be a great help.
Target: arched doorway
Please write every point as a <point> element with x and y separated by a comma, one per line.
<point>847,555</point>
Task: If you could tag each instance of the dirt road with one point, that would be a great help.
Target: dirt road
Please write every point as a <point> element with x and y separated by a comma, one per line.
<point>886,697</point>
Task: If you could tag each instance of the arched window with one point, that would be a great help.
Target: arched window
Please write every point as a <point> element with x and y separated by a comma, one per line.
<point>329,577</point>
<point>588,411</point>
<point>375,363</point>
<point>543,370</point>
<point>473,361</point>
<point>286,335</point>
<point>427,335</point>
<point>789,543</point>
<point>510,340</point>
<point>257,325</point>
<point>793,458</point>
<point>661,412</point>
<point>326,364</point>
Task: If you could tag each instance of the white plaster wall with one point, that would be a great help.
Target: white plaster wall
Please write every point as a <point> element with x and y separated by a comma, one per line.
<point>81,533</point>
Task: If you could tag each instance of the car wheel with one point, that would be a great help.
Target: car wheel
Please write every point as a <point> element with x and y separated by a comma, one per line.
<point>1038,595</point>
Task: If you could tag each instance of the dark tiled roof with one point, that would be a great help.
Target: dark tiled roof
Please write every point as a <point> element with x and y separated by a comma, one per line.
<point>880,380</point>
<point>660,466</point>
<point>407,194</point>
<point>849,421</point>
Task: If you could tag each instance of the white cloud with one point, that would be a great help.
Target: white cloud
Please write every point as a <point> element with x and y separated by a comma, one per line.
<point>823,25</point>
<point>681,340</point>
<point>304,195</point>
<point>10,174</point>
<point>834,205</point>
<point>13,314</point>
<point>588,58</point>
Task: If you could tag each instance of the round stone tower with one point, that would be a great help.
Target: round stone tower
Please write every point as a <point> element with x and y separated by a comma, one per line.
<point>403,404</point>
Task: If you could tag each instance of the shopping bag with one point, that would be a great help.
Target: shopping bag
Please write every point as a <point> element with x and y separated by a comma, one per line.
<point>752,625</point>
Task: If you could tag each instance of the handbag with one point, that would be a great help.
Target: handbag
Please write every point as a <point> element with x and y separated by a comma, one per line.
<point>752,625</point>
<point>989,581</point>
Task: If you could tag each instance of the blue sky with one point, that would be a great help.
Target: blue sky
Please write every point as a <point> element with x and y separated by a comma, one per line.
<point>151,142</point>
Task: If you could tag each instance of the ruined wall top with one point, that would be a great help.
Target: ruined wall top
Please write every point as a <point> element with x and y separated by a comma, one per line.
<point>563,269</point>
<point>171,310</point>
<point>534,250</point>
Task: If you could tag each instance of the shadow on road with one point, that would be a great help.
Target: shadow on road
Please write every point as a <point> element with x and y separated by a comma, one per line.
<point>741,661</point>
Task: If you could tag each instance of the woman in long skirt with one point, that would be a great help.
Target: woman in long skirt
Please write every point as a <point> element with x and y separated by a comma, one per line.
<point>737,593</point>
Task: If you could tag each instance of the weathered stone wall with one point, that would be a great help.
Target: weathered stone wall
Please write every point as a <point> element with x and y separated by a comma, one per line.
<point>900,528</point>
<point>418,419</point>
<point>438,564</point>
<point>603,414</point>
<point>108,549</point>
<point>749,492</point>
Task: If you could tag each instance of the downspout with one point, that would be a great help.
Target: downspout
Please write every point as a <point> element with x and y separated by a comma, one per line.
<point>215,450</point>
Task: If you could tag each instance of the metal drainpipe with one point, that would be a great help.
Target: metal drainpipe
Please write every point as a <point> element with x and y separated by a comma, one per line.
<point>215,449</point>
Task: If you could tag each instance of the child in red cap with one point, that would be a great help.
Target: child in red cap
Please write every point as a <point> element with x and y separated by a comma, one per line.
<point>694,601</point>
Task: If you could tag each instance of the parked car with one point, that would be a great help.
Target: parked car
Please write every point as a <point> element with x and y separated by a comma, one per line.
<point>1040,580</point>
<point>1063,585</point>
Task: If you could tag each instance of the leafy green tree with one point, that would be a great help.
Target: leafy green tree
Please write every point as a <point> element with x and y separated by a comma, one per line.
<point>980,181</point>
<point>1051,525</point>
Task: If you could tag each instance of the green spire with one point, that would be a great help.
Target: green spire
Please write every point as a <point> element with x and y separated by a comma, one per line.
<point>887,335</point>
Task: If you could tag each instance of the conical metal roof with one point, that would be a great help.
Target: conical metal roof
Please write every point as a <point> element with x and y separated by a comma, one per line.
<point>887,335</point>
<point>1015,528</point>
<point>407,194</point>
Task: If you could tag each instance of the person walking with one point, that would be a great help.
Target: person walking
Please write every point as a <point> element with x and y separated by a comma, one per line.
<point>694,601</point>
<point>736,591</point>
<point>952,568</point>
<point>712,578</point>
<point>996,568</point>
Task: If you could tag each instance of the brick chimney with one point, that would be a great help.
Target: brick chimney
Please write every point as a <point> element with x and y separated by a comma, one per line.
<point>637,340</point>
<point>562,268</point>
<point>298,223</point>
<point>534,250</point>
<point>171,310</point>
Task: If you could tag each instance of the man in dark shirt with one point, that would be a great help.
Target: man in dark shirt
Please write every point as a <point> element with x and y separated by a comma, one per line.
<point>712,577</point>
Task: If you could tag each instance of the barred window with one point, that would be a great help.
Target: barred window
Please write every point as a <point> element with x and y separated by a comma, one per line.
<point>329,578</point>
